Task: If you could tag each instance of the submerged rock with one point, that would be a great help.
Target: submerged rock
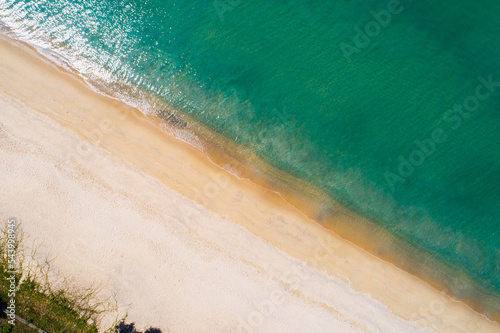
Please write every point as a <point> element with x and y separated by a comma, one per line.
<point>172,119</point>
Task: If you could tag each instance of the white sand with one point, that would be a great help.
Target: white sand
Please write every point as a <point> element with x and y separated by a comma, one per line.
<point>112,200</point>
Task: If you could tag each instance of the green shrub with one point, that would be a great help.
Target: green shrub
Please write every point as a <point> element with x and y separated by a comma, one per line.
<point>6,329</point>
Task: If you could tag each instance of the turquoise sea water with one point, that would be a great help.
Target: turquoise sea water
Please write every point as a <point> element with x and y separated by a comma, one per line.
<point>398,122</point>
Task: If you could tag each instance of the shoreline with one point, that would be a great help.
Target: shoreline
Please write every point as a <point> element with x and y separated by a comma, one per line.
<point>130,136</point>
<point>309,200</point>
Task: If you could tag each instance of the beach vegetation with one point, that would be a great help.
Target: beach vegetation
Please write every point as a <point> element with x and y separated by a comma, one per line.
<point>66,309</point>
<point>123,327</point>
<point>63,309</point>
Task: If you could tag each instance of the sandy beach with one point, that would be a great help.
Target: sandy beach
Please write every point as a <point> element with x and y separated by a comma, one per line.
<point>182,244</point>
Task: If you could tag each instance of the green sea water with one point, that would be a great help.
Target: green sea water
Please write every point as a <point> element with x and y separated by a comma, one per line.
<point>392,108</point>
